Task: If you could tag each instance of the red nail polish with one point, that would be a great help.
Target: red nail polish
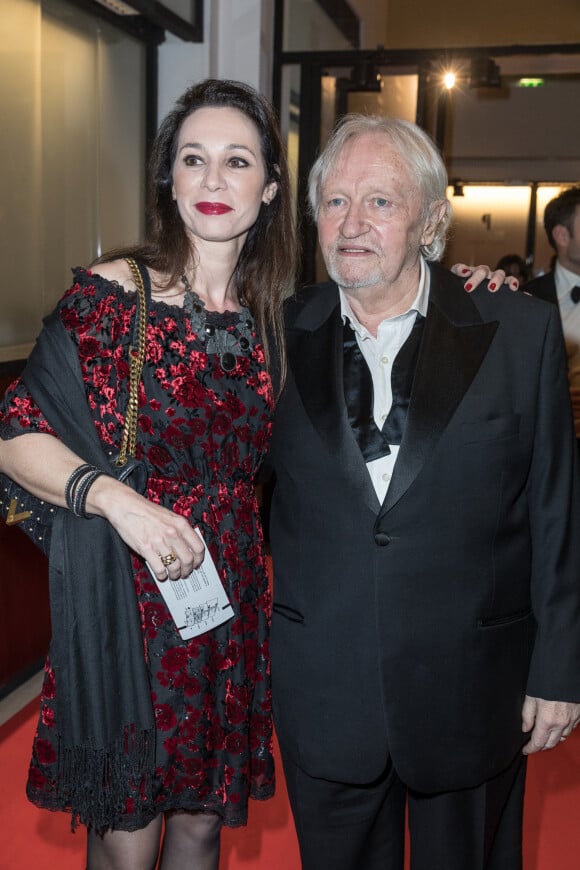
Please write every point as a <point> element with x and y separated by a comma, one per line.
<point>468,287</point>
<point>492,285</point>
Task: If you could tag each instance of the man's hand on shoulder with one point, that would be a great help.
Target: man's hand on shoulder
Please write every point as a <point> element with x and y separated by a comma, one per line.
<point>477,274</point>
<point>548,722</point>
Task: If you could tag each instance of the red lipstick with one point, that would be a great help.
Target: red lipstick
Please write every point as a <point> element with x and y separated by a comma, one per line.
<point>213,207</point>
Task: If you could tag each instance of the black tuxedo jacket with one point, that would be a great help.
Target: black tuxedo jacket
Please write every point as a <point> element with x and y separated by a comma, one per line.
<point>543,287</point>
<point>415,627</point>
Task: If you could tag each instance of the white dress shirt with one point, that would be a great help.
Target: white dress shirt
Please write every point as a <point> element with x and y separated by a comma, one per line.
<point>570,316</point>
<point>380,354</point>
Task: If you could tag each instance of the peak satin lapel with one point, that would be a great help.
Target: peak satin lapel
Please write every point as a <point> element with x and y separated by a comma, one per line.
<point>450,358</point>
<point>316,361</point>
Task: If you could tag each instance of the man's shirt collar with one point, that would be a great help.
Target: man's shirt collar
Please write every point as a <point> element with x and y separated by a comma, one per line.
<point>419,304</point>
<point>564,280</point>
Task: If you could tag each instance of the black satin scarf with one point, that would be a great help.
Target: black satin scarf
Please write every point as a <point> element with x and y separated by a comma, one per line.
<point>358,393</point>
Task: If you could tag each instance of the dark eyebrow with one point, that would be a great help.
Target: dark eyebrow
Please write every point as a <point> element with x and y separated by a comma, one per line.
<point>233,147</point>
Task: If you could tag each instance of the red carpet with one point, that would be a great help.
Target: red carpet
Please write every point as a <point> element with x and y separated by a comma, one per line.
<point>32,838</point>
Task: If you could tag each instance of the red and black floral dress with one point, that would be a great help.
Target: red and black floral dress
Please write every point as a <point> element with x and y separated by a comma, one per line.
<point>202,433</point>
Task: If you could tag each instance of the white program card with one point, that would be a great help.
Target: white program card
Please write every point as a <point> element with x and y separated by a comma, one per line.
<point>198,602</point>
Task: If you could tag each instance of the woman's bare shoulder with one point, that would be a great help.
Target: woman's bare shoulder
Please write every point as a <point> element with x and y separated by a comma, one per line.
<point>115,270</point>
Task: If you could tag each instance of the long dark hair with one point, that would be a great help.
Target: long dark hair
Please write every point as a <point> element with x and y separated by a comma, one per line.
<point>264,274</point>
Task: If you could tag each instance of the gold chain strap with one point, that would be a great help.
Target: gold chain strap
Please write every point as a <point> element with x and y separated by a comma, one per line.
<point>136,361</point>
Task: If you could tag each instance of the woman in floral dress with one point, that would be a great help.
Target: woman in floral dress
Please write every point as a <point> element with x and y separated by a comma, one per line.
<point>218,263</point>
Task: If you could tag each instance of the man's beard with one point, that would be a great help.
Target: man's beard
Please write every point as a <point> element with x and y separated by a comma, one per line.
<point>351,283</point>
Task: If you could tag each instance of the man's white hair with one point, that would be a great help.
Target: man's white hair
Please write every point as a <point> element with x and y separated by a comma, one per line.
<point>413,146</point>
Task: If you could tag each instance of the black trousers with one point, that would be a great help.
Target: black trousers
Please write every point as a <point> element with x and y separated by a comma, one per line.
<point>342,826</point>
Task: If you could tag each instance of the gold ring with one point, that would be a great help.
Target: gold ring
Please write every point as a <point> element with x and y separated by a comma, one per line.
<point>169,559</point>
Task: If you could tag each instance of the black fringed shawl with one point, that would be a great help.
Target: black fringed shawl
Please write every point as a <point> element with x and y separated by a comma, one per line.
<point>104,716</point>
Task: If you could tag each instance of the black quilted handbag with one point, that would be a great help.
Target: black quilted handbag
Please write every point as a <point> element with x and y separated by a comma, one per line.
<point>35,517</point>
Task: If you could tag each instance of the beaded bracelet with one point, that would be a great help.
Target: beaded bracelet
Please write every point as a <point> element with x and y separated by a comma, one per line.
<point>73,481</point>
<point>77,489</point>
<point>81,492</point>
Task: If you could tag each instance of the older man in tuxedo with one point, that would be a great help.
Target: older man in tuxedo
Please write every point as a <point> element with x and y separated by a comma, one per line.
<point>426,627</point>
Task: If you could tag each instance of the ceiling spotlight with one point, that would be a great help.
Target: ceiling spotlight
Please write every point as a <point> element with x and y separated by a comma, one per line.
<point>449,80</point>
<point>364,77</point>
<point>485,73</point>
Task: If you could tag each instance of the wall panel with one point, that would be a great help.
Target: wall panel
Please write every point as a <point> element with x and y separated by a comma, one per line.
<point>72,154</point>
<point>454,23</point>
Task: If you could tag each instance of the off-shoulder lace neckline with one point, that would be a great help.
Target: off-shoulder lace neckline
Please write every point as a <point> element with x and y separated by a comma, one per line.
<point>107,284</point>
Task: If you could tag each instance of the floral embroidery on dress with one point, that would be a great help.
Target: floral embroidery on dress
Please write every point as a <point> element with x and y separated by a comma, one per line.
<point>203,433</point>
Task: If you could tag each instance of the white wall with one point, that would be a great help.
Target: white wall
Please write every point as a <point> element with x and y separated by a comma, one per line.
<point>238,44</point>
<point>70,183</point>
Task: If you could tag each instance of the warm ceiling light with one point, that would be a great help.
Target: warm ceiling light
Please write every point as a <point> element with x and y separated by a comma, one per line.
<point>449,80</point>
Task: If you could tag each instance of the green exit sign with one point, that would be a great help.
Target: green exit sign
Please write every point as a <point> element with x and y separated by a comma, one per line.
<point>531,83</point>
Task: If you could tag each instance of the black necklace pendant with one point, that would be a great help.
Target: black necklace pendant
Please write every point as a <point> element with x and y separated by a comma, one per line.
<point>217,339</point>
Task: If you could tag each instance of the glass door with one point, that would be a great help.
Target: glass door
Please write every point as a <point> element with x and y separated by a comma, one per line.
<point>481,112</point>
<point>314,97</point>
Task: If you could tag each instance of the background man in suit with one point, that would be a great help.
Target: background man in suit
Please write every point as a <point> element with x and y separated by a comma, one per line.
<point>426,622</point>
<point>561,285</point>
